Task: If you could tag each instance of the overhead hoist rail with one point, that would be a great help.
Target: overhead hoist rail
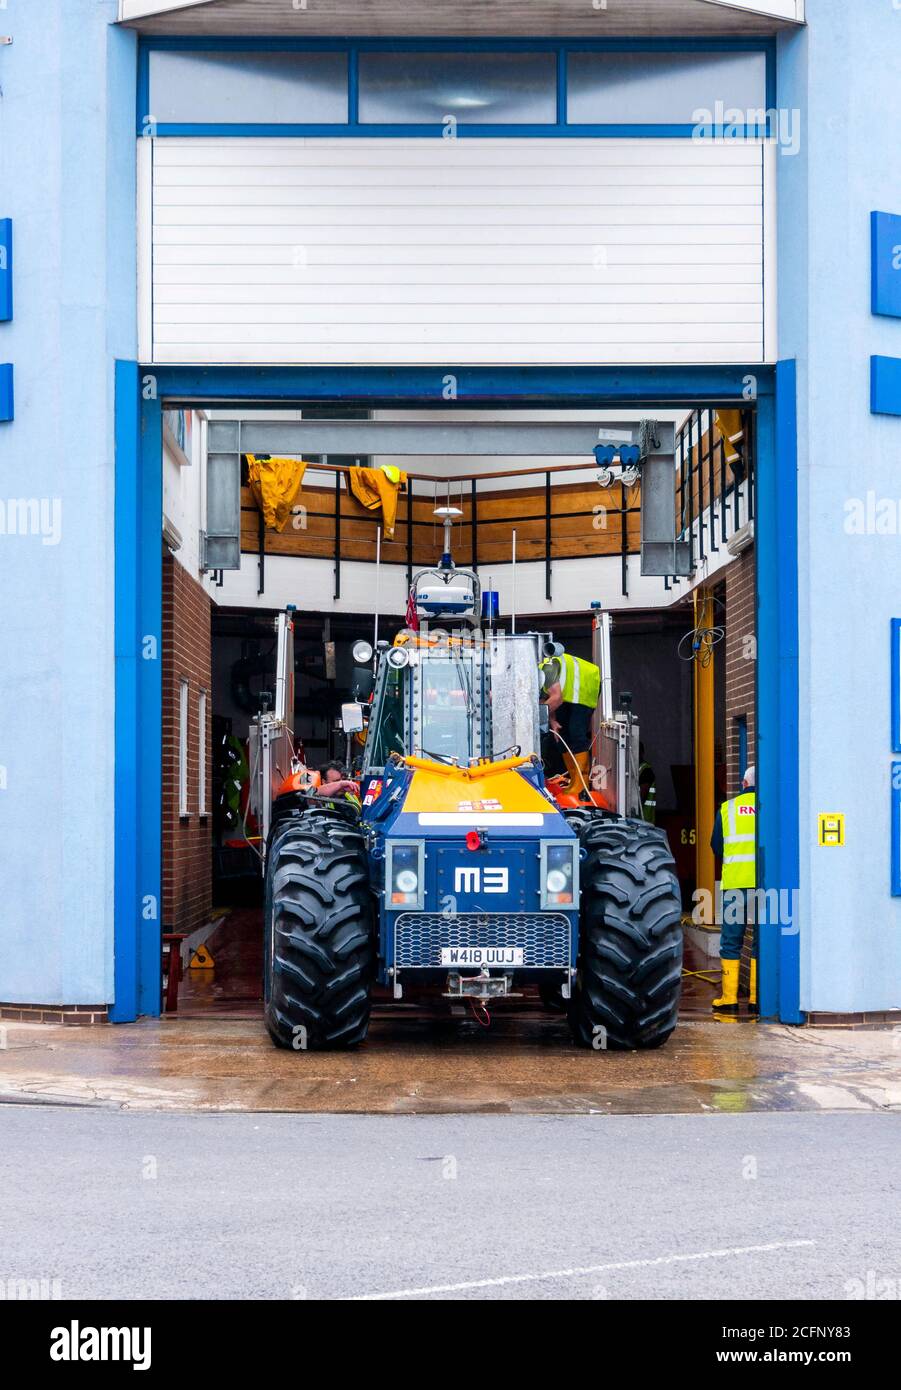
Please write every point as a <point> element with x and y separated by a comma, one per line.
<point>326,441</point>
<point>408,438</point>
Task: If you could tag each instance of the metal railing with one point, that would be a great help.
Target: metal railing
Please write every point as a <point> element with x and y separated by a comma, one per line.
<point>714,492</point>
<point>331,514</point>
<point>555,519</point>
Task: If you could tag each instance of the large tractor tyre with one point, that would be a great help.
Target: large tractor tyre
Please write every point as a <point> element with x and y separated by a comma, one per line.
<point>320,934</point>
<point>629,975</point>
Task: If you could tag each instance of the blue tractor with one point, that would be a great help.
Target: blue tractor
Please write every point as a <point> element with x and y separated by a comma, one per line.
<point>461,870</point>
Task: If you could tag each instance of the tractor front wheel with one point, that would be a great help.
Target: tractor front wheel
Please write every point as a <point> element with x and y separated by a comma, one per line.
<point>320,946</point>
<point>629,973</point>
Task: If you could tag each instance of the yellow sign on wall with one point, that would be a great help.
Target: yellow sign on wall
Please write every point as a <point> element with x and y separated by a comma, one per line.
<point>832,828</point>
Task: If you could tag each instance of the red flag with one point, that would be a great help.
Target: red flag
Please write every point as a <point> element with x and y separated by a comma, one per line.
<point>412,615</point>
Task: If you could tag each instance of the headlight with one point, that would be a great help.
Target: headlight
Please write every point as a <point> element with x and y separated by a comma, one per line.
<point>404,874</point>
<point>559,886</point>
<point>556,881</point>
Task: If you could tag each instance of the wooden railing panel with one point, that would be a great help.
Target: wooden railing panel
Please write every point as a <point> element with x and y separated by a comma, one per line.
<point>585,520</point>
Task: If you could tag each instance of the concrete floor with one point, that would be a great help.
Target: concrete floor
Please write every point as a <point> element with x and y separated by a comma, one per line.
<point>524,1063</point>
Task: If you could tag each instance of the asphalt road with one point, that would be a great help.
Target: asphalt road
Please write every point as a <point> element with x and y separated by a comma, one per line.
<point>148,1205</point>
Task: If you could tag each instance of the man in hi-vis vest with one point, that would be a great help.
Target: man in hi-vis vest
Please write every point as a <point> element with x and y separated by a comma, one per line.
<point>572,688</point>
<point>734,840</point>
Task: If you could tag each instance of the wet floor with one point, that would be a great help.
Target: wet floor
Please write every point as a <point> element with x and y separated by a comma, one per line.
<point>522,1064</point>
<point>214,1054</point>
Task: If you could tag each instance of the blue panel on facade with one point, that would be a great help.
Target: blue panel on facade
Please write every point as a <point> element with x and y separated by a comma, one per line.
<point>885,385</point>
<point>886,263</point>
<point>6,269</point>
<point>896,830</point>
<point>664,386</point>
<point>778,773</point>
<point>895,659</point>
<point>128,629</point>
<point>138,768</point>
<point>7,404</point>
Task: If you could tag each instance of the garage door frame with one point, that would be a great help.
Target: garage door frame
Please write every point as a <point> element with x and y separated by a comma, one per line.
<point>140,393</point>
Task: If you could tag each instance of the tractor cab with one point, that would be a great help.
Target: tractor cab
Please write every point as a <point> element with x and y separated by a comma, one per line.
<point>456,699</point>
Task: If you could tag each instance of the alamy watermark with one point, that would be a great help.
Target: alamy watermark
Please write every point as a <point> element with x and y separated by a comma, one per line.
<point>29,1290</point>
<point>32,516</point>
<point>733,907</point>
<point>873,1288</point>
<point>782,125</point>
<point>872,516</point>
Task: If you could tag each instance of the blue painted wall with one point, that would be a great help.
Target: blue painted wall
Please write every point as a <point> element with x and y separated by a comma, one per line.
<point>67,180</point>
<point>844,75</point>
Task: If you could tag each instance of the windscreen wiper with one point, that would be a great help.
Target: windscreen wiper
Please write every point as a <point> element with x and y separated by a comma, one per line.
<point>440,757</point>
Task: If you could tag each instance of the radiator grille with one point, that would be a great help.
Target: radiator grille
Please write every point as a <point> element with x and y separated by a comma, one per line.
<point>543,936</point>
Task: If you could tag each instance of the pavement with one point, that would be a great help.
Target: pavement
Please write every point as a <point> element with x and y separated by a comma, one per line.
<point>524,1063</point>
<point>114,1204</point>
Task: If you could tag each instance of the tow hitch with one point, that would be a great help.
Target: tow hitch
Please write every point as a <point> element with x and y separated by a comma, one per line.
<point>483,986</point>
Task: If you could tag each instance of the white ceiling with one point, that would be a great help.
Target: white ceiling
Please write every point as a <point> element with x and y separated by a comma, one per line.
<point>456,18</point>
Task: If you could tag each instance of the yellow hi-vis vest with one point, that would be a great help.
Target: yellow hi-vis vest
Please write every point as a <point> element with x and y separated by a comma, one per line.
<point>580,681</point>
<point>739,821</point>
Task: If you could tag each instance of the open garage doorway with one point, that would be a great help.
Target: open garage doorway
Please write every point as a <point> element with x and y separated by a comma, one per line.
<point>565,563</point>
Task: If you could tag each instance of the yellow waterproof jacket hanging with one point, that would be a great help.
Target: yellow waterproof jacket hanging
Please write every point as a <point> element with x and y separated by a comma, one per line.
<point>730,429</point>
<point>378,487</point>
<point>275,483</point>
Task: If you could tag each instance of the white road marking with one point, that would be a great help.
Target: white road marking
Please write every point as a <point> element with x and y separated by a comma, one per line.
<point>584,1269</point>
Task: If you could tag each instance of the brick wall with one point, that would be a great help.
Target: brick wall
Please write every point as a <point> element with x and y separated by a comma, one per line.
<point>78,1014</point>
<point>187,868</point>
<point>741,664</point>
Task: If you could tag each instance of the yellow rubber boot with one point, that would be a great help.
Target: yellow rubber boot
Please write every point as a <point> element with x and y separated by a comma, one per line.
<point>752,987</point>
<point>578,767</point>
<point>729,997</point>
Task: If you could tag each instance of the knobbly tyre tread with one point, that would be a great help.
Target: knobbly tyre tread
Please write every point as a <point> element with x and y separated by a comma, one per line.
<point>320,950</point>
<point>630,949</point>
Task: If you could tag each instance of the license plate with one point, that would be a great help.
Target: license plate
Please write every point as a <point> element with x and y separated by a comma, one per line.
<point>481,955</point>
